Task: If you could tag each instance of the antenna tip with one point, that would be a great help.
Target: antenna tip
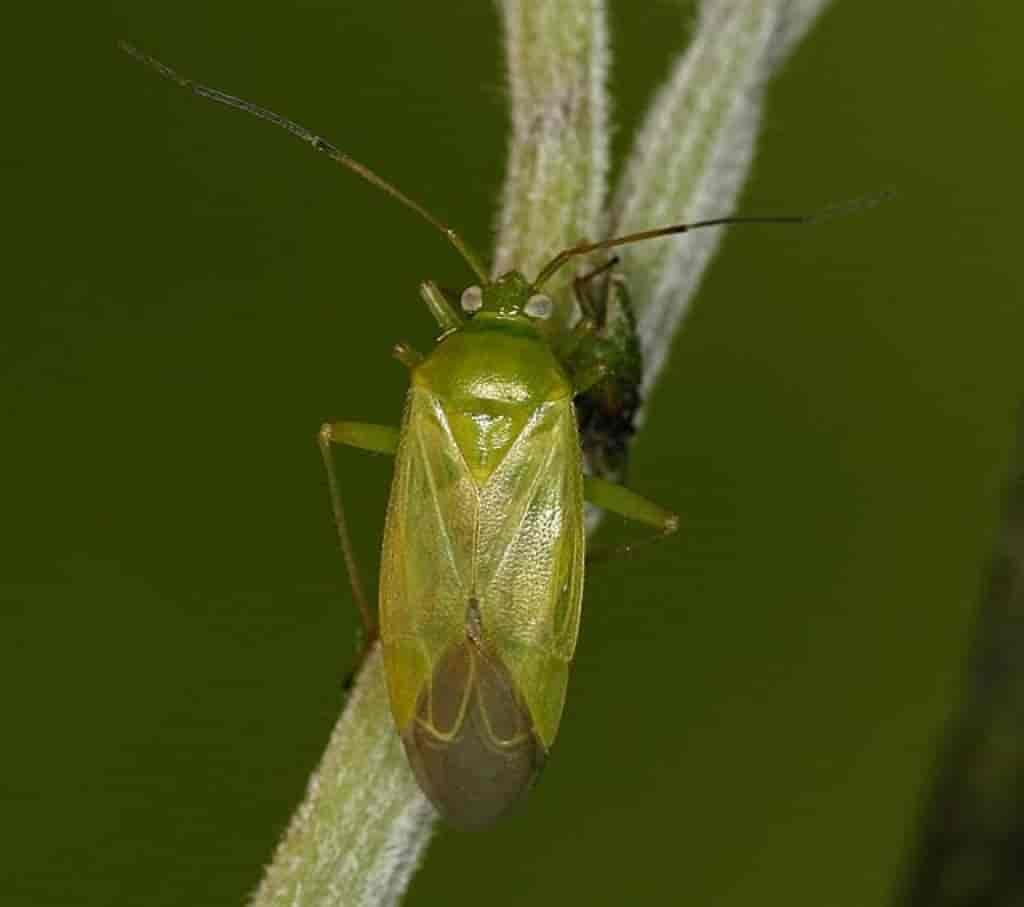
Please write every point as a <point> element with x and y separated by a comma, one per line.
<point>855,206</point>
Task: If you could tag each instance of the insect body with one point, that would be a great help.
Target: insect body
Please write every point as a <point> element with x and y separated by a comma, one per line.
<point>483,554</point>
<point>482,564</point>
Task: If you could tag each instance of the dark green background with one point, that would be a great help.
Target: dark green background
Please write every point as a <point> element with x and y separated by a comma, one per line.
<point>188,294</point>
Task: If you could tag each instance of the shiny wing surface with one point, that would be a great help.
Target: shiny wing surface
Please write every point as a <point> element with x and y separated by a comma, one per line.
<point>529,560</point>
<point>427,556</point>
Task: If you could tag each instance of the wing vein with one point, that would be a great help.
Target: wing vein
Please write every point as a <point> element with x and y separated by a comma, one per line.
<point>435,501</point>
<point>528,497</point>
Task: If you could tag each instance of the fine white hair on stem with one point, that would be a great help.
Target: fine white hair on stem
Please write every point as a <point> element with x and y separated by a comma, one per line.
<point>358,837</point>
<point>693,153</point>
<point>557,170</point>
<point>364,825</point>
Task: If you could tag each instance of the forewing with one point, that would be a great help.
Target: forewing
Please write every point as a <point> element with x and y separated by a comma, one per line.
<point>427,556</point>
<point>529,564</point>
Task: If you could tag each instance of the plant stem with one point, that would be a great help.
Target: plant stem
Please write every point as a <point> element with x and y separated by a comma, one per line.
<point>556,178</point>
<point>358,836</point>
<point>693,153</point>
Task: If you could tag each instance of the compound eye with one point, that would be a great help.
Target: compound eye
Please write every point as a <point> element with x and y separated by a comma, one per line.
<point>472,299</point>
<point>539,306</point>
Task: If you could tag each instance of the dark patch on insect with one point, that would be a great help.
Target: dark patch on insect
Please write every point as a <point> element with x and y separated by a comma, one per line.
<point>606,412</point>
<point>471,743</point>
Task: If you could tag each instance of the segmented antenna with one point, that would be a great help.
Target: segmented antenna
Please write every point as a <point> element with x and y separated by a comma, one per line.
<point>583,248</point>
<point>319,144</point>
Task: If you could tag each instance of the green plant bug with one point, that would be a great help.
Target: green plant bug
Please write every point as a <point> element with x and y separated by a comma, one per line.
<point>482,562</point>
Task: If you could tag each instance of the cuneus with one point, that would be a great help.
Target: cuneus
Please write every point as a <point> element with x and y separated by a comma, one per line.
<point>483,554</point>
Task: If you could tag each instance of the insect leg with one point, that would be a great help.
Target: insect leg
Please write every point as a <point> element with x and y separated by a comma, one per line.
<point>592,316</point>
<point>570,344</point>
<point>587,376</point>
<point>407,355</point>
<point>361,435</point>
<point>580,287</point>
<point>365,436</point>
<point>621,500</point>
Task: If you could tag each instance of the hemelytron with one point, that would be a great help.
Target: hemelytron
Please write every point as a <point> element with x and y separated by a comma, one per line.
<point>483,554</point>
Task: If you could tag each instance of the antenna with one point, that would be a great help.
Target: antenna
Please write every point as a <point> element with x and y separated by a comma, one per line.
<point>319,144</point>
<point>583,248</point>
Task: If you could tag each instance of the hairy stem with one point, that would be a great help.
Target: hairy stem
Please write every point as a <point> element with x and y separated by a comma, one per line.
<point>358,837</point>
<point>557,171</point>
<point>693,153</point>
